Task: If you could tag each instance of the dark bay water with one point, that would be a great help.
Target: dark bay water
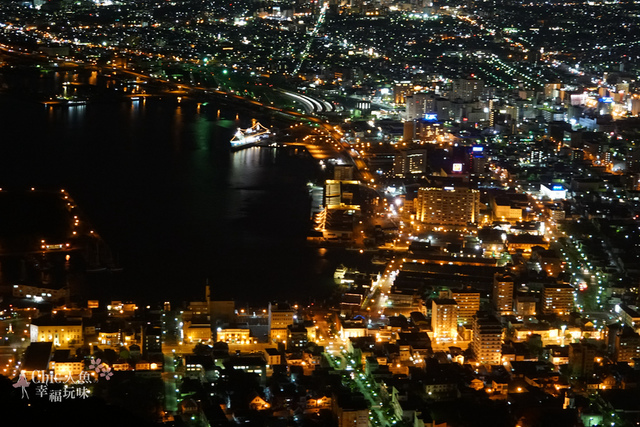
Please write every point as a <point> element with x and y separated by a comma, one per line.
<point>157,181</point>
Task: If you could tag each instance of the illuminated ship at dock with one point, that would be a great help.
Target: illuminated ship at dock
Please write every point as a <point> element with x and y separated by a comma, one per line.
<point>249,137</point>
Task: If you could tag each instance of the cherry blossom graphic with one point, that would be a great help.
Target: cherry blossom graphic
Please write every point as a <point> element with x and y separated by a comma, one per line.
<point>106,373</point>
<point>96,365</point>
<point>101,368</point>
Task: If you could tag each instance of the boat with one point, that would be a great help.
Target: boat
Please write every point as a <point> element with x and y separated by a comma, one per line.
<point>73,102</point>
<point>340,272</point>
<point>245,138</point>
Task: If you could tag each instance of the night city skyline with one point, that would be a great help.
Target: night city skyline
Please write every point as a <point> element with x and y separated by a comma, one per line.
<point>320,213</point>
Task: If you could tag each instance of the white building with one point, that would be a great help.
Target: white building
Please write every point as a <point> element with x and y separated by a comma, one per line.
<point>61,332</point>
<point>553,191</point>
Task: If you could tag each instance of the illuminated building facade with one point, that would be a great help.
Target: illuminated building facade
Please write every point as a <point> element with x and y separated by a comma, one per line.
<point>61,332</point>
<point>525,243</point>
<point>234,335</point>
<point>197,332</point>
<point>410,162</point>
<point>487,339</point>
<point>557,299</point>
<point>467,89</point>
<point>63,369</point>
<point>468,301</point>
<point>627,315</point>
<point>525,305</point>
<point>503,294</point>
<point>627,345</point>
<point>296,337</point>
<point>419,104</point>
<point>444,319</point>
<point>505,210</point>
<point>448,206</point>
<point>280,317</point>
<point>553,191</point>
<point>401,90</point>
<point>339,193</point>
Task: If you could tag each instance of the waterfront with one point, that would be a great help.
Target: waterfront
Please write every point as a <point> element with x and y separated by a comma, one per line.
<point>496,154</point>
<point>158,183</point>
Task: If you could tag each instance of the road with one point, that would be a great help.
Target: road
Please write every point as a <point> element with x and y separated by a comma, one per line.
<point>341,361</point>
<point>170,379</point>
<point>376,301</point>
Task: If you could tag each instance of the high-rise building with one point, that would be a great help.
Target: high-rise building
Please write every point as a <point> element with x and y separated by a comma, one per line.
<point>280,317</point>
<point>152,341</point>
<point>581,359</point>
<point>487,339</point>
<point>339,193</point>
<point>401,90</point>
<point>420,104</point>
<point>525,305</point>
<point>468,301</point>
<point>627,345</point>
<point>453,206</point>
<point>343,172</point>
<point>427,106</point>
<point>444,320</point>
<point>635,105</point>
<point>332,193</point>
<point>557,299</point>
<point>410,162</point>
<point>503,294</point>
<point>628,315</point>
<point>478,160</point>
<point>297,337</point>
<point>467,89</point>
